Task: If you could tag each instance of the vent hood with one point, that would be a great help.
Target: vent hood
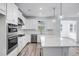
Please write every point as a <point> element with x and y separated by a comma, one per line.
<point>20,22</point>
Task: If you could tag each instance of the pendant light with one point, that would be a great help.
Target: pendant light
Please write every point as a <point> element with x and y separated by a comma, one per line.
<point>61,16</point>
<point>54,20</point>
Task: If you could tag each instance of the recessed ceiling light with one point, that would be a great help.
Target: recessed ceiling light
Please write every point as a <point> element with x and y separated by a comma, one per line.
<point>40,8</point>
<point>60,17</point>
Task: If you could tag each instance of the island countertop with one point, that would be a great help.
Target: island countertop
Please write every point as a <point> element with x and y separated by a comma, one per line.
<point>56,41</point>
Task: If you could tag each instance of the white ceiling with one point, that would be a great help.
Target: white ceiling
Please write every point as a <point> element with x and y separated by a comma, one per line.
<point>46,9</point>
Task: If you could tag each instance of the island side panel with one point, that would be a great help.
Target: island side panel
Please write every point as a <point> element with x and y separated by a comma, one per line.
<point>55,51</point>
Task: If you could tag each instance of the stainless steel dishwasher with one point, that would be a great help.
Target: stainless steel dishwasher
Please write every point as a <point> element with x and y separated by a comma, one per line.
<point>33,38</point>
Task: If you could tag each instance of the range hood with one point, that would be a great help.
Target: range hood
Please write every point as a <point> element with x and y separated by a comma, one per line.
<point>20,22</point>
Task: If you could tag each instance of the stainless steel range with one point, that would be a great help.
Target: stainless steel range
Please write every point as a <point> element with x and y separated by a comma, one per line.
<point>12,37</point>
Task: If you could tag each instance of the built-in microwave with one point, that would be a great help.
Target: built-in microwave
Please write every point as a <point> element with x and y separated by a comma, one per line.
<point>12,28</point>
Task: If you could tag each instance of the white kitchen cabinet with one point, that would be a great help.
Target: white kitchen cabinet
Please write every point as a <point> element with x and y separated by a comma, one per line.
<point>22,41</point>
<point>23,44</point>
<point>3,8</point>
<point>19,44</point>
<point>12,13</point>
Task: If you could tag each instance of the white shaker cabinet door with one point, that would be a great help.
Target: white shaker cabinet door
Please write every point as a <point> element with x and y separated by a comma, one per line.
<point>12,13</point>
<point>3,8</point>
<point>15,14</point>
<point>19,44</point>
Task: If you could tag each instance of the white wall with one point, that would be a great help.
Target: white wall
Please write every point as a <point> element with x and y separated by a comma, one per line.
<point>2,35</point>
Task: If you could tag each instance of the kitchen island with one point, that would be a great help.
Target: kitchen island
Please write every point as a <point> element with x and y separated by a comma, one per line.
<point>52,45</point>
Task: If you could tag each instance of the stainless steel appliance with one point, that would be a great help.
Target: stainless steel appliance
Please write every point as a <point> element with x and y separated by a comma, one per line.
<point>33,38</point>
<point>12,37</point>
<point>12,28</point>
<point>12,43</point>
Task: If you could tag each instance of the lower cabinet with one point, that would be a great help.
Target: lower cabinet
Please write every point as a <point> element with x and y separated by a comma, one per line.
<point>55,51</point>
<point>22,41</point>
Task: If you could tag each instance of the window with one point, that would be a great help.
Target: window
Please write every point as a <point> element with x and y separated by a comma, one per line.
<point>71,27</point>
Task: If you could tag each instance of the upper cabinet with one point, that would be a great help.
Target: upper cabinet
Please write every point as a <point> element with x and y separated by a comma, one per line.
<point>3,8</point>
<point>12,13</point>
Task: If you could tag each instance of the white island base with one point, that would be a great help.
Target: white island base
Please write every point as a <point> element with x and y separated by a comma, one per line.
<point>55,51</point>
<point>52,45</point>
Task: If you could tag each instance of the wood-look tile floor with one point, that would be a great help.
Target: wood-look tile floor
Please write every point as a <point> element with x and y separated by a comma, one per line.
<point>32,49</point>
<point>74,51</point>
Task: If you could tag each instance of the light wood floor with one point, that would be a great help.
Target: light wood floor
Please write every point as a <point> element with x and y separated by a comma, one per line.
<point>74,51</point>
<point>31,49</point>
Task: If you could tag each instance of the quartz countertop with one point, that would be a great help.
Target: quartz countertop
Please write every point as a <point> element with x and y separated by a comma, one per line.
<point>56,41</point>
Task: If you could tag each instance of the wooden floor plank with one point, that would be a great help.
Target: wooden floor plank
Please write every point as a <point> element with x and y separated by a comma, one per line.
<point>31,49</point>
<point>74,51</point>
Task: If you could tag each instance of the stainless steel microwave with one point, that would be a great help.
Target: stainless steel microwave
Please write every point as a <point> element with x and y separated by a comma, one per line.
<point>12,28</point>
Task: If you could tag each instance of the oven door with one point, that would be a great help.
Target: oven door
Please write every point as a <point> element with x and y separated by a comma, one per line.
<point>12,43</point>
